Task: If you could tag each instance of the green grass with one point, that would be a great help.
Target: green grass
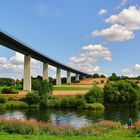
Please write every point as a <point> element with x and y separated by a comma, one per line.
<point>116,135</point>
<point>70,88</point>
<point>18,88</point>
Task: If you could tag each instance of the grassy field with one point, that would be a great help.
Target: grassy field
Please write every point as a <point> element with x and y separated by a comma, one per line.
<point>70,88</point>
<point>116,135</point>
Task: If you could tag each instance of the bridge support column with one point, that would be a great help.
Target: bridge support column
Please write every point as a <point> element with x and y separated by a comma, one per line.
<point>27,73</point>
<point>45,71</point>
<point>58,76</point>
<point>77,77</point>
<point>68,77</point>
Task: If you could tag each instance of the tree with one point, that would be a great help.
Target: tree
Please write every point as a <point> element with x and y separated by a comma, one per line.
<point>96,75</point>
<point>102,76</point>
<point>114,77</point>
<point>119,92</point>
<point>45,91</point>
<point>39,77</point>
<point>36,85</point>
<point>17,82</point>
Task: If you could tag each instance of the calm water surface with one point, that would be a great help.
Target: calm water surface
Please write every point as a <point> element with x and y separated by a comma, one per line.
<point>76,118</point>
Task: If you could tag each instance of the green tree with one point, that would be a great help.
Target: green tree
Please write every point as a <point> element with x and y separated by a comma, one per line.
<point>96,75</point>
<point>45,91</point>
<point>17,82</point>
<point>119,92</point>
<point>102,76</point>
<point>114,77</point>
<point>36,85</point>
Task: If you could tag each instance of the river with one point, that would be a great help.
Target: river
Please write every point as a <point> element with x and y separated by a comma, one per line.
<point>77,118</point>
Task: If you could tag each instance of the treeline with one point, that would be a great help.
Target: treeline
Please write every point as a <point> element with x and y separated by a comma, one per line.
<point>53,80</point>
<point>6,82</point>
<point>115,77</point>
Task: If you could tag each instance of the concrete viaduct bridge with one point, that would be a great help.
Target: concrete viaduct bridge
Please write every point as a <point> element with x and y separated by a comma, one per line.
<point>10,42</point>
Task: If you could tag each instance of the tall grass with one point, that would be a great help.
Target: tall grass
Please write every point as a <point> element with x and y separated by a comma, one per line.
<point>33,127</point>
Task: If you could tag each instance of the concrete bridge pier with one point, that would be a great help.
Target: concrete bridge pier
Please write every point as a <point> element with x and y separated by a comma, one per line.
<point>27,73</point>
<point>68,77</point>
<point>45,71</point>
<point>58,76</point>
<point>77,77</point>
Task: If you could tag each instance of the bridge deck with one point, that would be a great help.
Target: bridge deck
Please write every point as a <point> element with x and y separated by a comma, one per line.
<point>16,45</point>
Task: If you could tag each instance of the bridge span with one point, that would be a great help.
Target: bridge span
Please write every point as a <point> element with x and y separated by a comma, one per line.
<point>10,42</point>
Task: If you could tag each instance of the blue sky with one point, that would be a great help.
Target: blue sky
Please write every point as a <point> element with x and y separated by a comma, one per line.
<point>82,34</point>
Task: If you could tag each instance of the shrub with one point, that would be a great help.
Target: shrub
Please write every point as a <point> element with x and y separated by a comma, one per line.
<point>119,92</point>
<point>95,106</point>
<point>31,98</point>
<point>95,95</point>
<point>80,103</point>
<point>3,99</point>
<point>16,105</point>
<point>9,91</point>
<point>72,102</point>
<point>34,106</point>
<point>65,102</point>
<point>45,91</point>
<point>56,102</point>
<point>36,84</point>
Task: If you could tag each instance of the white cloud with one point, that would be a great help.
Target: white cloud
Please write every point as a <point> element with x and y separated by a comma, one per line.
<point>132,71</point>
<point>129,18</point>
<point>102,12</point>
<point>86,67</point>
<point>14,66</point>
<point>114,33</point>
<point>18,59</point>
<point>91,53</point>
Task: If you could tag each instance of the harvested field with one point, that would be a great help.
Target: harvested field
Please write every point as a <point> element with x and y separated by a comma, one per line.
<point>69,93</point>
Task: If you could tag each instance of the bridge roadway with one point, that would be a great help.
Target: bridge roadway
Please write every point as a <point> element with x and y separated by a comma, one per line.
<point>12,43</point>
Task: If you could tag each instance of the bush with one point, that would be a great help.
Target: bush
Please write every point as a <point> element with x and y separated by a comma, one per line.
<point>31,98</point>
<point>95,106</point>
<point>3,99</point>
<point>9,91</point>
<point>72,102</point>
<point>120,92</point>
<point>15,105</point>
<point>65,102</point>
<point>45,92</point>
<point>36,85</point>
<point>94,96</point>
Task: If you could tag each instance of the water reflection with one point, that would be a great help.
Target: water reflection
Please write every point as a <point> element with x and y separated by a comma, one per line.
<point>76,118</point>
